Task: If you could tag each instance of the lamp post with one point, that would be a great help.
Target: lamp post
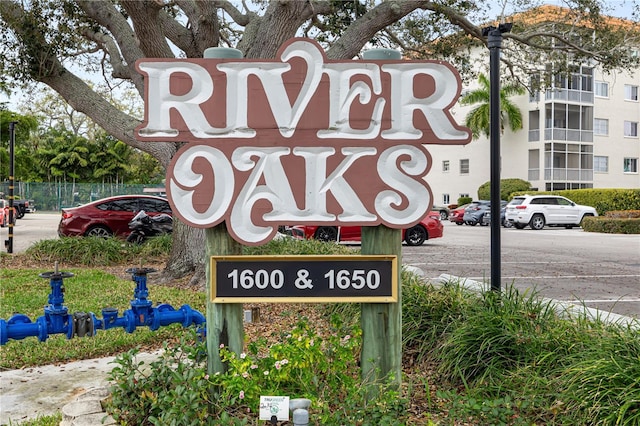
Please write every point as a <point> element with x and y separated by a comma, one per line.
<point>12,155</point>
<point>494,42</point>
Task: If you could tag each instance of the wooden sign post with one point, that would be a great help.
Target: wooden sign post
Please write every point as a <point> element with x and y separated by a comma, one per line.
<point>381,356</point>
<point>224,321</point>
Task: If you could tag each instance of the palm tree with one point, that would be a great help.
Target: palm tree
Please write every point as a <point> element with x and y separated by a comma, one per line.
<point>478,119</point>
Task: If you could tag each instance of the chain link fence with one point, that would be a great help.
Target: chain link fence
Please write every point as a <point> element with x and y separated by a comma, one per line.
<point>53,196</point>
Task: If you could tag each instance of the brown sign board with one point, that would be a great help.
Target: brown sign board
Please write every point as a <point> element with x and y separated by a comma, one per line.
<point>300,139</point>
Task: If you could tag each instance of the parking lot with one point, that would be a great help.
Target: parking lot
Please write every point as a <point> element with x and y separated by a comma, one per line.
<point>601,270</point>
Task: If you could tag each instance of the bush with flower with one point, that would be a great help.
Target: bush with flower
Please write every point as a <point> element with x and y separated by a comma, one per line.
<point>177,389</point>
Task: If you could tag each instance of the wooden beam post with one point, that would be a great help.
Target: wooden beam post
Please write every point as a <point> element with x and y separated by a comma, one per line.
<point>224,320</point>
<point>381,357</point>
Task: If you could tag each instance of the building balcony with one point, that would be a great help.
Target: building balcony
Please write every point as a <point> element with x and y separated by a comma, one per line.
<point>562,134</point>
<point>569,95</point>
<point>573,175</point>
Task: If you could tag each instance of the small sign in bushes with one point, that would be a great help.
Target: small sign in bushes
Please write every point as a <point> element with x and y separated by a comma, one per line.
<point>242,279</point>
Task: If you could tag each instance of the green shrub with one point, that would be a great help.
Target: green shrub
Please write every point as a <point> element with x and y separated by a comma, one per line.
<point>292,246</point>
<point>609,225</point>
<point>602,385</point>
<point>623,214</point>
<point>428,312</point>
<point>500,332</point>
<point>97,251</point>
<point>507,187</point>
<point>603,200</point>
<point>176,389</point>
<point>464,200</point>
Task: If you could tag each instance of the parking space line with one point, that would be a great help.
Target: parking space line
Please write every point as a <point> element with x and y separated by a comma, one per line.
<point>621,299</point>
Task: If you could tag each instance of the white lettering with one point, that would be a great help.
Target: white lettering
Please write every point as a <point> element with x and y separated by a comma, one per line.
<point>395,178</point>
<point>342,94</point>
<point>404,103</point>
<point>276,190</point>
<point>317,184</point>
<point>270,75</point>
<point>182,186</point>
<point>160,100</point>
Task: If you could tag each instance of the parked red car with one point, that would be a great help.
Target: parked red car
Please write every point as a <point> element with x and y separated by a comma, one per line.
<point>109,216</point>
<point>4,213</point>
<point>430,227</point>
<point>456,215</point>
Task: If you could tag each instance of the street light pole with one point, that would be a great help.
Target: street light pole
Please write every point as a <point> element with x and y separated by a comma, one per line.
<point>494,41</point>
<point>12,213</point>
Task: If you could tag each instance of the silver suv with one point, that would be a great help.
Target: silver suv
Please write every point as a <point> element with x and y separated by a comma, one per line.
<point>540,210</point>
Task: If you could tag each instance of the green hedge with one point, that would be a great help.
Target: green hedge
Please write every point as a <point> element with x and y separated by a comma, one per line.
<point>507,187</point>
<point>464,200</point>
<point>609,225</point>
<point>603,199</point>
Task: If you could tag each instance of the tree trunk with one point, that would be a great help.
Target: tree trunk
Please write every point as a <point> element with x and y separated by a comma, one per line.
<point>187,255</point>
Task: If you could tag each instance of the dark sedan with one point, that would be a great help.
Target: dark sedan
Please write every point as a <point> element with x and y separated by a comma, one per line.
<point>109,216</point>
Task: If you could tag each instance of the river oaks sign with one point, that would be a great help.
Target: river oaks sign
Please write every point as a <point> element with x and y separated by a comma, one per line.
<point>299,140</point>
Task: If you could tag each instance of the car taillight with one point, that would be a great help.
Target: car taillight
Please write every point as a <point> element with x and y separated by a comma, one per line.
<point>66,215</point>
<point>521,207</point>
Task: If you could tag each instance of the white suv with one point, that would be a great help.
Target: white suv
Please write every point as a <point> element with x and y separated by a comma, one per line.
<point>540,210</point>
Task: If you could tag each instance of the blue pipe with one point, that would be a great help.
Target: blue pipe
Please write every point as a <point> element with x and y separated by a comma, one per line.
<point>56,319</point>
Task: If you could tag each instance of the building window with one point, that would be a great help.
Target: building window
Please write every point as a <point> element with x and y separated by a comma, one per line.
<point>631,128</point>
<point>630,92</point>
<point>602,89</point>
<point>600,126</point>
<point>464,167</point>
<point>600,164</point>
<point>464,195</point>
<point>445,166</point>
<point>445,199</point>
<point>631,165</point>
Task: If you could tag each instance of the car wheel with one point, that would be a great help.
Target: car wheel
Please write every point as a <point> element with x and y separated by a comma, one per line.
<point>471,223</point>
<point>458,223</point>
<point>326,233</point>
<point>443,215</point>
<point>415,236</point>
<point>519,225</point>
<point>98,231</point>
<point>537,222</point>
<point>507,224</point>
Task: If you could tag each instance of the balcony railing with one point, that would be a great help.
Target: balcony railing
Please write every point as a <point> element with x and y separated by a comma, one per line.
<point>580,175</point>
<point>561,134</point>
<point>534,135</point>
<point>534,174</point>
<point>569,95</point>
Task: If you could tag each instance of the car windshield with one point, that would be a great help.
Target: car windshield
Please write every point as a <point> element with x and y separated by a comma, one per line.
<point>516,201</point>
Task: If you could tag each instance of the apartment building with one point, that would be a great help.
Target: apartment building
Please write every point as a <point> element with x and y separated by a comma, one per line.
<point>581,132</point>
